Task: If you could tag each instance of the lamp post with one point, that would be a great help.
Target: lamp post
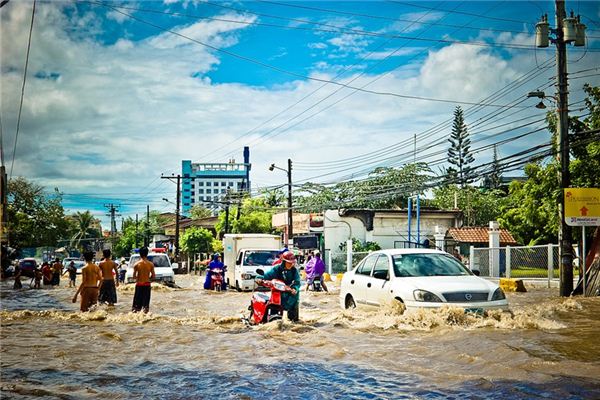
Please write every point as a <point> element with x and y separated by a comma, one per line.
<point>288,171</point>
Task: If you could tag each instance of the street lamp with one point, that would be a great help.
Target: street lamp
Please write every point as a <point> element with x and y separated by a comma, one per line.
<point>289,175</point>
<point>541,95</point>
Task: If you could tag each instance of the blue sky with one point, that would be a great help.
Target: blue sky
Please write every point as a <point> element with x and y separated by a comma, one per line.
<point>112,102</point>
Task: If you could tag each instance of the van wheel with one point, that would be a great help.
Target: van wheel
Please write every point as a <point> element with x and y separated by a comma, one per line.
<point>350,302</point>
<point>237,286</point>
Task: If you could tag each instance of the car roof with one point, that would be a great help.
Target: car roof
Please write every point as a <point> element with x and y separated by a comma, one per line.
<point>392,252</point>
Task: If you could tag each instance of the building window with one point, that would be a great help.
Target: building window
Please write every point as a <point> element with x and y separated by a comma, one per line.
<point>239,185</point>
<point>200,183</point>
<point>223,183</point>
<point>200,190</point>
<point>208,183</point>
<point>208,191</point>
<point>222,190</point>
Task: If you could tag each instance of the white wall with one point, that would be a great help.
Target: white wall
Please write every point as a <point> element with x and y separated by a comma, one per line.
<point>388,228</point>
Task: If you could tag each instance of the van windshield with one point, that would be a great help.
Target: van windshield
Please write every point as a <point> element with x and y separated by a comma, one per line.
<point>159,260</point>
<point>260,257</point>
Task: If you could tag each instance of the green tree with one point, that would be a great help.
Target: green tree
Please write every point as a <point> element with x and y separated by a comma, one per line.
<point>255,217</point>
<point>199,212</point>
<point>493,179</point>
<point>478,206</point>
<point>126,241</point>
<point>197,240</point>
<point>34,218</point>
<point>83,228</point>
<point>385,187</point>
<point>532,211</point>
<point>459,153</point>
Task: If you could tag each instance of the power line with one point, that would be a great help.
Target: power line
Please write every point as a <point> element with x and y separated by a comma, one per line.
<point>12,164</point>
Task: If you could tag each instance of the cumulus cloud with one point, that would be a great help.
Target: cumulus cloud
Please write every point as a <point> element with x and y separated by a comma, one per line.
<point>112,117</point>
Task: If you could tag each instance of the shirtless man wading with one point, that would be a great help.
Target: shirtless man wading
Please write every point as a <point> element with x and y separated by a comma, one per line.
<point>108,290</point>
<point>143,273</point>
<point>91,277</point>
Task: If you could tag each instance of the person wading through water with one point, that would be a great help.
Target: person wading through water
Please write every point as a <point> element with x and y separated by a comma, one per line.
<point>108,289</point>
<point>143,274</point>
<point>91,277</point>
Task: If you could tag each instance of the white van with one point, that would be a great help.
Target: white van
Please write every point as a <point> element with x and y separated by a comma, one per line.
<point>244,253</point>
<point>162,267</point>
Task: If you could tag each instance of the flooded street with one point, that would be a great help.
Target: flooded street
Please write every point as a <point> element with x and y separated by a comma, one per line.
<point>193,345</point>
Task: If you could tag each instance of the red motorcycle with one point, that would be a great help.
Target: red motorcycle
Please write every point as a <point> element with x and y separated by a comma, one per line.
<point>265,307</point>
<point>216,279</point>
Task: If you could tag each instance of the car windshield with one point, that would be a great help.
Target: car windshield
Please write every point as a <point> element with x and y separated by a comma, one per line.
<point>28,263</point>
<point>428,264</point>
<point>260,257</point>
<point>159,261</point>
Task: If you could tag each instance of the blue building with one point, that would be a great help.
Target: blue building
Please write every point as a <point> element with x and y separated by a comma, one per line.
<point>208,184</point>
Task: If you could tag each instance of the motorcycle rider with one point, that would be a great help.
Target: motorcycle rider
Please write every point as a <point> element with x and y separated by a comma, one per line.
<point>214,264</point>
<point>315,268</point>
<point>277,261</point>
<point>288,273</point>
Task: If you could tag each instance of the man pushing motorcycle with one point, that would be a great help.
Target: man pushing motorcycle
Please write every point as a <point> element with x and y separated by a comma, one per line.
<point>288,273</point>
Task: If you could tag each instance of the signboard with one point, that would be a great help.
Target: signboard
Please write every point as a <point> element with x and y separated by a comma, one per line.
<point>306,242</point>
<point>582,206</point>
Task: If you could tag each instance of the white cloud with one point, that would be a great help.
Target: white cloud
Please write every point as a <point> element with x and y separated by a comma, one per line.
<point>120,115</point>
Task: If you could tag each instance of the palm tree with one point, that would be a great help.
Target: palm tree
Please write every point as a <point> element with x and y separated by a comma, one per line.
<point>84,222</point>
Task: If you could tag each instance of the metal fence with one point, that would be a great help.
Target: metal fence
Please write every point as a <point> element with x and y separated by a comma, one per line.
<point>516,261</point>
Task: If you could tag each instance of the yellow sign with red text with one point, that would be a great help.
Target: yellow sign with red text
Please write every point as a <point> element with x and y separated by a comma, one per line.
<point>582,206</point>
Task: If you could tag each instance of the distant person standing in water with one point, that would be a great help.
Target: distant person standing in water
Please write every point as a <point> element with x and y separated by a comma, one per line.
<point>143,274</point>
<point>17,284</point>
<point>72,270</point>
<point>57,270</point>
<point>91,277</point>
<point>108,289</point>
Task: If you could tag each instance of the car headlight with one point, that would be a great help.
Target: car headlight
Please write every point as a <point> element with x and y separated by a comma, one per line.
<point>498,295</point>
<point>247,276</point>
<point>424,295</point>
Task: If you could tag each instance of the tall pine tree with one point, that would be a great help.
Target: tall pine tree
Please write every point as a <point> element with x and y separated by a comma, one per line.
<point>459,153</point>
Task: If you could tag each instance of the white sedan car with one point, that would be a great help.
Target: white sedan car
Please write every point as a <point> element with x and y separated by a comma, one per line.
<point>162,268</point>
<point>418,278</point>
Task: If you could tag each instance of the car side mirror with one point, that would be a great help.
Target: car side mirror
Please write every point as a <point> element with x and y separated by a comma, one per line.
<point>476,272</point>
<point>260,271</point>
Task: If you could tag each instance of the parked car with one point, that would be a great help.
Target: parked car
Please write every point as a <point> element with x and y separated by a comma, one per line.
<point>162,267</point>
<point>418,278</point>
<point>28,266</point>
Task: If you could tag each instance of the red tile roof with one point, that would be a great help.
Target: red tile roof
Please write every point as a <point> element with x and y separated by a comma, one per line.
<point>479,234</point>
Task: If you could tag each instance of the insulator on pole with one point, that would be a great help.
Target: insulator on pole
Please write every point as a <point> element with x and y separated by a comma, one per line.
<point>542,30</point>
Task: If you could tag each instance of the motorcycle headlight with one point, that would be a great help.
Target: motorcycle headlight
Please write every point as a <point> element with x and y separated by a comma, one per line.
<point>498,295</point>
<point>424,295</point>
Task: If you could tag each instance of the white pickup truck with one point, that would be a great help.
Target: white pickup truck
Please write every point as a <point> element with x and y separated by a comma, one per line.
<point>244,253</point>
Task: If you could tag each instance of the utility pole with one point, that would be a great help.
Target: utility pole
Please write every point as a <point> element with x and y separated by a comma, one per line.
<point>565,236</point>
<point>290,221</point>
<point>112,213</point>
<point>290,211</point>
<point>147,230</point>
<point>568,30</point>
<point>177,218</point>
<point>136,231</point>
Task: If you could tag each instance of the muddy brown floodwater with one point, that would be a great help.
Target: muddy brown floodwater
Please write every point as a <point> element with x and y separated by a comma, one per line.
<point>193,345</point>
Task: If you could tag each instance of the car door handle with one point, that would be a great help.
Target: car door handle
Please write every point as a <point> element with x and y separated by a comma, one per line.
<point>352,282</point>
<point>369,284</point>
